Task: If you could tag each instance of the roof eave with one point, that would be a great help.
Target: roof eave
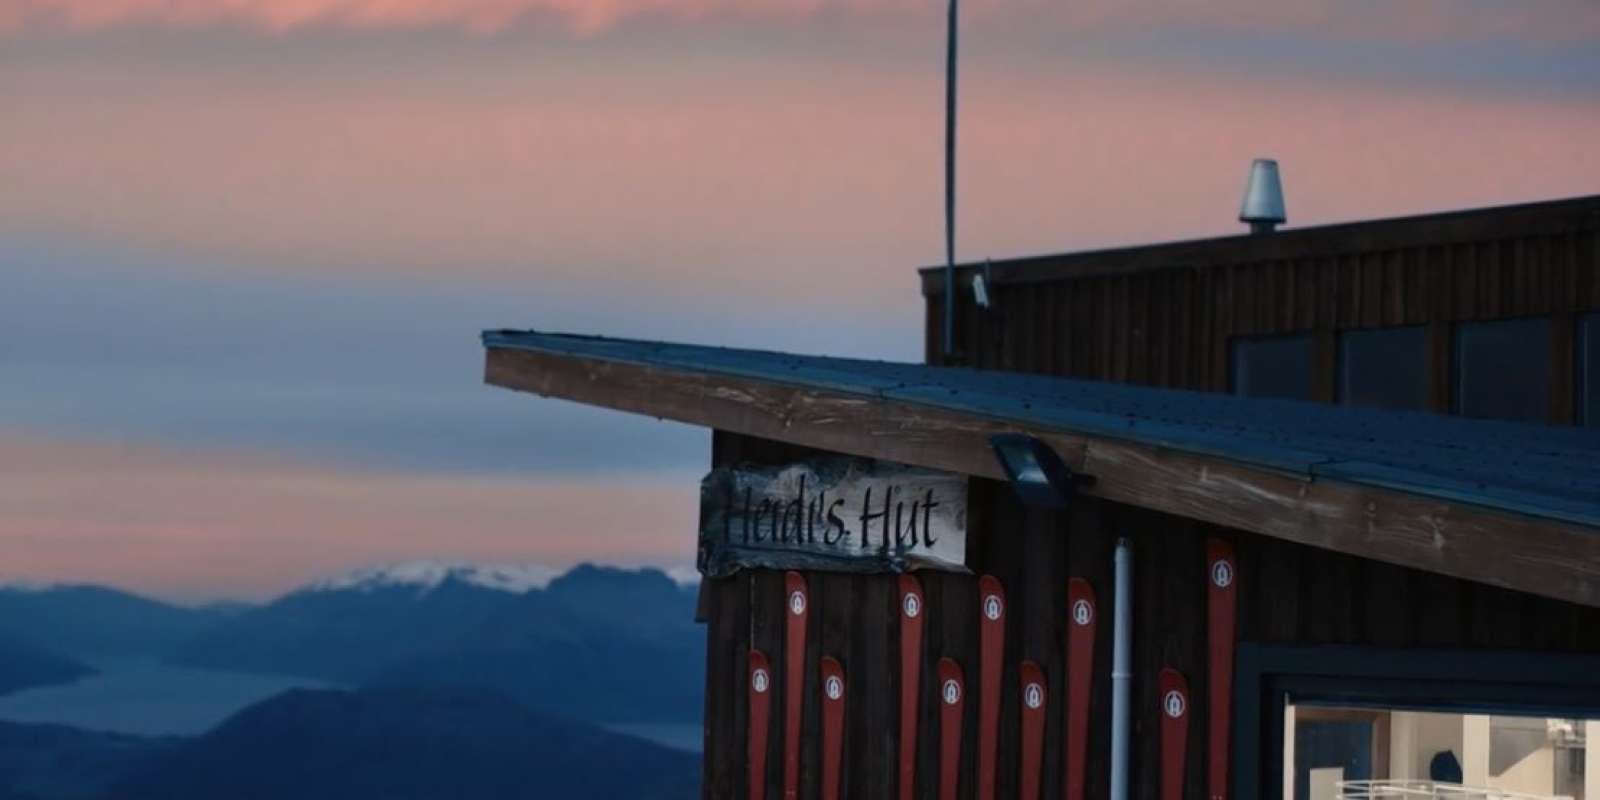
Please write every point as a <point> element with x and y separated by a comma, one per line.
<point>1551,557</point>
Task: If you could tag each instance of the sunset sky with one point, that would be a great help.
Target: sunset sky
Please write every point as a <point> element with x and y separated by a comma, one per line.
<point>247,245</point>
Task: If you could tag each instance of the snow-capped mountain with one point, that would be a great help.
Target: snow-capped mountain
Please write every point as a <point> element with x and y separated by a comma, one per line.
<point>27,585</point>
<point>426,576</point>
<point>571,643</point>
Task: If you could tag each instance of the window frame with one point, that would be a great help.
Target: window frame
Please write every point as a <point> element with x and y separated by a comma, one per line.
<point>1341,362</point>
<point>1309,338</point>
<point>1586,384</point>
<point>1458,371</point>
<point>1266,677</point>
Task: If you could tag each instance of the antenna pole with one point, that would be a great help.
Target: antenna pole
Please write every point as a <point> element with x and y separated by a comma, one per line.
<point>950,185</point>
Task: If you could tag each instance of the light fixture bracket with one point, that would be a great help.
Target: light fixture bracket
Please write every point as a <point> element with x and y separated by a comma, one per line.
<point>1038,476</point>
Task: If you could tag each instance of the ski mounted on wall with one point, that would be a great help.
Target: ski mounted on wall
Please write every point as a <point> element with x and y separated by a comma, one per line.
<point>952,700</point>
<point>1081,614</point>
<point>1222,603</point>
<point>797,604</point>
<point>912,610</point>
<point>833,697</point>
<point>1174,711</point>
<point>991,649</point>
<point>760,688</point>
<point>1034,691</point>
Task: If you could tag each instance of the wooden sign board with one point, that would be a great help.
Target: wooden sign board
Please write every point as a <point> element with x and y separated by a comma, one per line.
<point>834,514</point>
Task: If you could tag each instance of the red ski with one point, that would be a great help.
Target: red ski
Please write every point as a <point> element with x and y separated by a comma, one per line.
<point>1174,732</point>
<point>797,603</point>
<point>760,685</point>
<point>1222,601</point>
<point>952,699</point>
<point>833,695</point>
<point>991,647</point>
<point>1034,702</point>
<point>1081,615</point>
<point>911,615</point>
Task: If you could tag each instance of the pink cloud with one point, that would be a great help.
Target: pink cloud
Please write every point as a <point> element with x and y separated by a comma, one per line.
<point>481,16</point>
<point>775,183</point>
<point>201,524</point>
<point>1567,20</point>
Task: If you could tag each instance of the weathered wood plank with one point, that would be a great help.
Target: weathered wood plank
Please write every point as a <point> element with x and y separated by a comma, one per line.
<point>1541,556</point>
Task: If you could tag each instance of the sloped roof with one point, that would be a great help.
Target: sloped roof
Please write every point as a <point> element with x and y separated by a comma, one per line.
<point>1388,485</point>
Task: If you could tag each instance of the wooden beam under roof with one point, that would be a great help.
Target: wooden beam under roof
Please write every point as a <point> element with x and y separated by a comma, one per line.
<point>1424,529</point>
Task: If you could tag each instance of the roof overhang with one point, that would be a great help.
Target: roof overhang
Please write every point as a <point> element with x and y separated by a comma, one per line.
<point>1408,489</point>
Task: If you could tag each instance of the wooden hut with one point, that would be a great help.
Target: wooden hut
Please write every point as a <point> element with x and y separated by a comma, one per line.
<point>1121,587</point>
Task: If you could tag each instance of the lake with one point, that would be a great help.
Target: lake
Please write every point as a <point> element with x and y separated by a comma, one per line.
<point>148,698</point>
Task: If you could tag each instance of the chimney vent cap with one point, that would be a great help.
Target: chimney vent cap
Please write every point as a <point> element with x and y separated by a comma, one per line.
<point>1263,197</point>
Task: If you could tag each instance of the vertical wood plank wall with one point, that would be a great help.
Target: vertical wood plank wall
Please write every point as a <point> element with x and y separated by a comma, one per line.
<point>1164,315</point>
<point>1289,594</point>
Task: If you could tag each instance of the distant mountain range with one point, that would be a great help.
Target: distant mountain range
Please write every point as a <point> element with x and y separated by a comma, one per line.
<point>330,745</point>
<point>576,647</point>
<point>92,622</point>
<point>472,682</point>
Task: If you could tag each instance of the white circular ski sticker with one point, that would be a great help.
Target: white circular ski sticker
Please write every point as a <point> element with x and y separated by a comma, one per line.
<point>759,681</point>
<point>1033,695</point>
<point>1173,703</point>
<point>835,688</point>
<point>992,607</point>
<point>1082,612</point>
<point>911,605</point>
<point>797,603</point>
<point>1222,573</point>
<point>952,693</point>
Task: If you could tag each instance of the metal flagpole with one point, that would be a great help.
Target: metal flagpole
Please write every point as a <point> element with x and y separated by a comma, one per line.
<point>950,184</point>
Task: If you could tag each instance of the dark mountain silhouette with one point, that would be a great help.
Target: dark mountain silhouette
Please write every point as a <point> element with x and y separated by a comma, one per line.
<point>53,762</point>
<point>344,635</point>
<point>598,643</point>
<point>90,622</point>
<point>397,744</point>
<point>23,666</point>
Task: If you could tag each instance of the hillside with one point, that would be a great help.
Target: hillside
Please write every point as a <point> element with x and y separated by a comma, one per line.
<point>23,666</point>
<point>398,744</point>
<point>92,622</point>
<point>54,762</point>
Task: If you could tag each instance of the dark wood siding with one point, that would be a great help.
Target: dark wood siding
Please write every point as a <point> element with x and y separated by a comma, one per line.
<point>1164,315</point>
<point>1289,595</point>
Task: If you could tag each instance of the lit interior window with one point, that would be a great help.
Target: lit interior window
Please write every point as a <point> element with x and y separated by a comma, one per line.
<point>1351,753</point>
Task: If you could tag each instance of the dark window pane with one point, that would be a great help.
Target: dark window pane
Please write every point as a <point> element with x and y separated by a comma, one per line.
<point>1589,371</point>
<point>1280,366</point>
<point>1384,368</point>
<point>1503,369</point>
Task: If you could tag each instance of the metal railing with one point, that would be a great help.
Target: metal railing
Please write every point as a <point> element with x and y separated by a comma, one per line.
<point>1430,790</point>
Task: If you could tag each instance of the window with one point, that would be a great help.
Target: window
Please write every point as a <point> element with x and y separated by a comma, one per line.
<point>1279,366</point>
<point>1589,371</point>
<point>1363,723</point>
<point>1377,753</point>
<point>1503,370</point>
<point>1384,368</point>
